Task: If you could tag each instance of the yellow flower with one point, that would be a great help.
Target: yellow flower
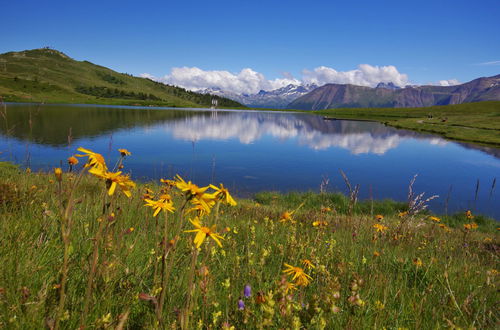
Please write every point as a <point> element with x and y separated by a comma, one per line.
<point>72,160</point>
<point>58,174</point>
<point>470,226</point>
<point>95,160</point>
<point>435,219</point>
<point>469,215</point>
<point>320,223</point>
<point>188,187</point>
<point>308,264</point>
<point>159,205</point>
<point>113,180</point>
<point>380,228</point>
<point>379,217</point>
<point>222,193</point>
<point>402,214</point>
<point>326,209</point>
<point>298,275</point>
<point>417,262</point>
<point>203,232</point>
<point>286,216</point>
<point>376,254</point>
<point>124,152</point>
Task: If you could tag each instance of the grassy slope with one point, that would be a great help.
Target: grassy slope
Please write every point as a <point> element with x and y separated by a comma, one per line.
<point>418,277</point>
<point>470,122</point>
<point>44,75</point>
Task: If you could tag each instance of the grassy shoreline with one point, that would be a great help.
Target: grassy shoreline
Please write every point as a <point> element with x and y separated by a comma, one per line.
<point>477,123</point>
<point>373,267</point>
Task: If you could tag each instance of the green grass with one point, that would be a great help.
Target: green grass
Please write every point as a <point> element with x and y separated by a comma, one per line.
<point>46,75</point>
<point>469,122</point>
<point>456,284</point>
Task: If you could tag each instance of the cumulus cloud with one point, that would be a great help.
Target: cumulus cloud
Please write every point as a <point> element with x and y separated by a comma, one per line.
<point>364,75</point>
<point>449,82</point>
<point>248,81</point>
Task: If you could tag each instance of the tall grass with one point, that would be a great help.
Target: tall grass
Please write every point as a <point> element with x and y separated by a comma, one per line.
<point>371,264</point>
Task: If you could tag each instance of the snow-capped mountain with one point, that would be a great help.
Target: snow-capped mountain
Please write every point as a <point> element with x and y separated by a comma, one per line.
<point>277,98</point>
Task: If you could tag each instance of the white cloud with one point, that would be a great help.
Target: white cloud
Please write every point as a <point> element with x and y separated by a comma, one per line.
<point>250,82</point>
<point>489,63</point>
<point>246,81</point>
<point>449,82</point>
<point>364,75</point>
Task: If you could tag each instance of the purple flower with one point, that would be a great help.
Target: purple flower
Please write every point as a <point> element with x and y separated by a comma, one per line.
<point>241,305</point>
<point>247,292</point>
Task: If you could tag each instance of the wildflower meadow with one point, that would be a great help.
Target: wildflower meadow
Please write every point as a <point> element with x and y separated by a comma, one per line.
<point>86,247</point>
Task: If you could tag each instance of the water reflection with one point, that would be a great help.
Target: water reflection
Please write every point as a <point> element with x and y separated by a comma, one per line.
<point>254,151</point>
<point>312,131</point>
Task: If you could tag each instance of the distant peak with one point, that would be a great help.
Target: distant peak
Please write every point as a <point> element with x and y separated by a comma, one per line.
<point>389,85</point>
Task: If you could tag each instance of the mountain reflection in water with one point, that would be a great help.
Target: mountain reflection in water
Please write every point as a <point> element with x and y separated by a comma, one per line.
<point>252,151</point>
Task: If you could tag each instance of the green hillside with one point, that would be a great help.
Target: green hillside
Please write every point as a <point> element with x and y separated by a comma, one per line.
<point>47,75</point>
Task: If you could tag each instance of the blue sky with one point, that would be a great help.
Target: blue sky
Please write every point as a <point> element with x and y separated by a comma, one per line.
<point>426,40</point>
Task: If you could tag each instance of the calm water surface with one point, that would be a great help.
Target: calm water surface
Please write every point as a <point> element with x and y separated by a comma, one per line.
<point>250,151</point>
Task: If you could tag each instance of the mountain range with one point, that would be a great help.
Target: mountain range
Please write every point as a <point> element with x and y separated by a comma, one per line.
<point>50,76</point>
<point>276,99</point>
<point>387,95</point>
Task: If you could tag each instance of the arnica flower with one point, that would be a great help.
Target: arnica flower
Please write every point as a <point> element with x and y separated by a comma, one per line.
<point>379,217</point>
<point>320,223</point>
<point>286,217</point>
<point>308,264</point>
<point>470,226</point>
<point>72,161</point>
<point>115,179</point>
<point>188,187</point>
<point>95,160</point>
<point>247,292</point>
<point>469,215</point>
<point>58,173</point>
<point>124,152</point>
<point>298,275</point>
<point>325,209</point>
<point>203,232</point>
<point>380,228</point>
<point>222,193</point>
<point>160,205</point>
<point>417,262</point>
<point>402,214</point>
<point>435,219</point>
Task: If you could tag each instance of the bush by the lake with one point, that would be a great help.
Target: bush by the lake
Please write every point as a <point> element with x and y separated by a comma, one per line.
<point>87,247</point>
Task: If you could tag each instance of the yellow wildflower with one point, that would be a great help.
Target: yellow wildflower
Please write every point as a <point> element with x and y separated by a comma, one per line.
<point>95,160</point>
<point>188,187</point>
<point>308,264</point>
<point>58,173</point>
<point>402,214</point>
<point>124,152</point>
<point>320,223</point>
<point>222,193</point>
<point>435,219</point>
<point>417,262</point>
<point>298,275</point>
<point>72,160</point>
<point>113,180</point>
<point>160,205</point>
<point>202,232</point>
<point>470,226</point>
<point>286,216</point>
<point>469,215</point>
<point>379,217</point>
<point>376,254</point>
<point>380,228</point>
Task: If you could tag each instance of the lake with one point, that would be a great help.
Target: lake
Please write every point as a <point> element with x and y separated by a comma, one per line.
<point>251,151</point>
